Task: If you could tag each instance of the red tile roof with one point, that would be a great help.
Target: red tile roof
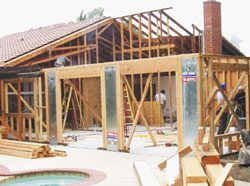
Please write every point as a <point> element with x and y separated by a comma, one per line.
<point>14,45</point>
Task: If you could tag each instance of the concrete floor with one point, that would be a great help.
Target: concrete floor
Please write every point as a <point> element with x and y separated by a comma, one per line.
<point>118,166</point>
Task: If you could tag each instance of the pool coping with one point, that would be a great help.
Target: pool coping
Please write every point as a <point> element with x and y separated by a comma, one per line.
<point>95,176</point>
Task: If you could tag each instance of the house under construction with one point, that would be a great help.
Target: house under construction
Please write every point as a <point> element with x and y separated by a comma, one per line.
<point>116,66</point>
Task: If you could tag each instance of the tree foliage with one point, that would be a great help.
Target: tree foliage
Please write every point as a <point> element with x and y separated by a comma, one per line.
<point>96,12</point>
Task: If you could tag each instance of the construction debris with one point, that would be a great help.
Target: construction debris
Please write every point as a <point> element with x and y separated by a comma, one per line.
<point>27,149</point>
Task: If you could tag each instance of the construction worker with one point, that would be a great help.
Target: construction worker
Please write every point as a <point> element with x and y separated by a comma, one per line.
<point>62,61</point>
<point>163,101</point>
<point>240,100</point>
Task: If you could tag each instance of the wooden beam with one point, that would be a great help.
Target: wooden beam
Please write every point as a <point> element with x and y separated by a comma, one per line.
<point>213,170</point>
<point>162,64</point>
<point>46,95</point>
<point>149,35</point>
<point>40,107</point>
<point>141,114</point>
<point>212,93</point>
<point>71,47</point>
<point>223,175</point>
<point>138,113</point>
<point>147,48</point>
<point>211,106</point>
<point>247,93</point>
<point>113,43</point>
<point>122,39</point>
<point>36,116</point>
<point>130,37</point>
<point>97,46</point>
<point>230,67</point>
<point>192,171</point>
<point>230,96</point>
<point>19,108</point>
<point>170,98</point>
<point>159,90</point>
<point>58,55</point>
<point>178,24</point>
<point>22,99</point>
<point>182,152</point>
<point>58,90</point>
<point>227,100</point>
<point>105,28</point>
<point>140,38</point>
<point>149,66</point>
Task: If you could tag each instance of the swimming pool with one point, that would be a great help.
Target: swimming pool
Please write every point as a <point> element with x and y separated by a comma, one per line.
<point>45,178</point>
<point>54,177</point>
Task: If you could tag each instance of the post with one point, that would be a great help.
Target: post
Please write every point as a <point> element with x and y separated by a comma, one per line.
<point>247,93</point>
<point>55,108</point>
<point>36,118</point>
<point>104,125</point>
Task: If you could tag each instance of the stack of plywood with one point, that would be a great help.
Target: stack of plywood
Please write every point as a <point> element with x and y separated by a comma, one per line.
<point>25,149</point>
<point>153,113</point>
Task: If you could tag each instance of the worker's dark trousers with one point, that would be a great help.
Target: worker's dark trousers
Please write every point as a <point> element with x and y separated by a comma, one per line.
<point>223,123</point>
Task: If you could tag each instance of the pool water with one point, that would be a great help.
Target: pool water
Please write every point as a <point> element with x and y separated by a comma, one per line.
<point>48,179</point>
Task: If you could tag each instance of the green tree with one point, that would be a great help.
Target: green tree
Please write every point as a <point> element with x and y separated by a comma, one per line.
<point>96,12</point>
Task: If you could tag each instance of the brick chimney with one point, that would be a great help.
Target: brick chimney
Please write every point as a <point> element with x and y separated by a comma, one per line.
<point>212,27</point>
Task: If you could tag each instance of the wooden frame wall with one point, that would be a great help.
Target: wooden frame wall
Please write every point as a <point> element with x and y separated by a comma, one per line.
<point>213,70</point>
<point>151,66</point>
<point>28,116</point>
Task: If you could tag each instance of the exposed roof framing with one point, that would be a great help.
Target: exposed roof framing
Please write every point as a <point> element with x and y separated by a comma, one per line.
<point>142,35</point>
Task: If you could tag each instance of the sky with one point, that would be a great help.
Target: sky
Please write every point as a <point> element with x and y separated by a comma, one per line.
<point>20,15</point>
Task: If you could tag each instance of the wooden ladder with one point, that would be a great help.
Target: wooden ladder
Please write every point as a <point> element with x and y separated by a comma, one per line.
<point>128,111</point>
<point>66,103</point>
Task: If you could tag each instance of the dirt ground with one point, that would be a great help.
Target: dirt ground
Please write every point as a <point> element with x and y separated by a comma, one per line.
<point>238,172</point>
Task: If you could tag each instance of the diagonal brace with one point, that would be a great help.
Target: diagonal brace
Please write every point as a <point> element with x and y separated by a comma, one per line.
<point>139,110</point>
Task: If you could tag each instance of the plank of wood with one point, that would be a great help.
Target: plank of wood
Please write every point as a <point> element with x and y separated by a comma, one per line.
<point>144,174</point>
<point>205,142</point>
<point>209,157</point>
<point>223,175</point>
<point>192,171</point>
<point>17,153</point>
<point>213,170</point>
<point>182,152</point>
<point>197,184</point>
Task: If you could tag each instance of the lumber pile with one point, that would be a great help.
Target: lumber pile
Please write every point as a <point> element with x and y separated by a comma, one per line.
<point>27,149</point>
<point>192,172</point>
<point>201,168</point>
